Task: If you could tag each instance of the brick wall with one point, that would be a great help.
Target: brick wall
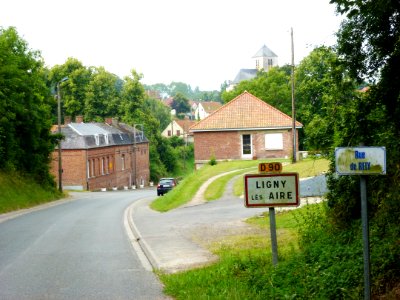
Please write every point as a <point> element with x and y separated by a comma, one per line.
<point>228,145</point>
<point>105,167</point>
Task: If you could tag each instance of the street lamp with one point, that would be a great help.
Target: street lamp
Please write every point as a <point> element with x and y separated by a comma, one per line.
<point>59,132</point>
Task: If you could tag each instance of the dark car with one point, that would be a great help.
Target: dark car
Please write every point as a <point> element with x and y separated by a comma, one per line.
<point>165,185</point>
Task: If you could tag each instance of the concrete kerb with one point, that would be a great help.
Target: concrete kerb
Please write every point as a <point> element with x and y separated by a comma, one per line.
<point>145,248</point>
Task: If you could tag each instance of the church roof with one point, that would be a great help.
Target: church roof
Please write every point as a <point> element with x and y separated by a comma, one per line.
<point>245,74</point>
<point>265,52</point>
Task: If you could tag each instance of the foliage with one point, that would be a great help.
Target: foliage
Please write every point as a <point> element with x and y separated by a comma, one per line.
<point>25,107</point>
<point>186,90</point>
<point>368,44</point>
<point>273,87</point>
<point>180,104</point>
<point>323,88</point>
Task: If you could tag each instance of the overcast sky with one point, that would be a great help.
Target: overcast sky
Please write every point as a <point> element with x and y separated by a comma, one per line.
<point>198,42</point>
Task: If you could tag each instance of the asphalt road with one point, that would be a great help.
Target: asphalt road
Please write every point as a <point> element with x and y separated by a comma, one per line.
<point>76,250</point>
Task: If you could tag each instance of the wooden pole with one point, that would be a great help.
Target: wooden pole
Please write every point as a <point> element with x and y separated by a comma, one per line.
<point>293,105</point>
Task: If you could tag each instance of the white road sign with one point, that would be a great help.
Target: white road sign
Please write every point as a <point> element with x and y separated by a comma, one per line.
<point>360,160</point>
<point>271,189</point>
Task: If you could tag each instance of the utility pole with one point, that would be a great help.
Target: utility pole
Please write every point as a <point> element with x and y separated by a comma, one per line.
<point>60,171</point>
<point>293,104</point>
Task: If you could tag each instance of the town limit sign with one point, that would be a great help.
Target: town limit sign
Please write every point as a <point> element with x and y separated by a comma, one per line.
<point>269,190</point>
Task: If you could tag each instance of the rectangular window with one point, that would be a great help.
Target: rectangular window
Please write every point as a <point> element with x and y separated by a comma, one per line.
<point>169,132</point>
<point>178,133</point>
<point>246,145</point>
<point>123,161</point>
<point>102,166</point>
<point>274,141</point>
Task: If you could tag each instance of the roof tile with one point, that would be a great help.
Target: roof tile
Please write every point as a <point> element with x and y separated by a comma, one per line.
<point>245,111</point>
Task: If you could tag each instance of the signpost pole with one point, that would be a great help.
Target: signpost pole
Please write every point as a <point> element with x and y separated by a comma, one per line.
<point>274,243</point>
<point>365,233</point>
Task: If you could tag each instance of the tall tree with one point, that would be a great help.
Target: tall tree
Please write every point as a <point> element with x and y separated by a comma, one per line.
<point>272,87</point>
<point>25,141</point>
<point>368,42</point>
<point>73,90</point>
<point>323,86</point>
<point>180,104</point>
<point>102,95</point>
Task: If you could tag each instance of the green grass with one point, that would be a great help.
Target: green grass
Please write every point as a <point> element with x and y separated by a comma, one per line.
<point>239,256</point>
<point>18,192</point>
<point>188,187</point>
<point>186,190</point>
<point>306,168</point>
<point>314,263</point>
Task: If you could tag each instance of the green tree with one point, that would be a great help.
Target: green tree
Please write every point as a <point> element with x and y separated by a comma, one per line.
<point>368,43</point>
<point>73,90</point>
<point>102,95</point>
<point>323,86</point>
<point>25,101</point>
<point>180,104</point>
<point>272,87</point>
<point>180,88</point>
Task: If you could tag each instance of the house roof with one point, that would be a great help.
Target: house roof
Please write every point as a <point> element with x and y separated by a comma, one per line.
<point>185,124</point>
<point>210,106</point>
<point>95,135</point>
<point>265,52</point>
<point>246,111</point>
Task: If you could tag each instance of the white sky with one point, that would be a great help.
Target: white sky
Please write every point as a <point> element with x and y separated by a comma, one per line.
<point>198,42</point>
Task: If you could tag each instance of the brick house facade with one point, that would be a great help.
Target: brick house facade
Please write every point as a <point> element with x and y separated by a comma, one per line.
<point>244,128</point>
<point>102,156</point>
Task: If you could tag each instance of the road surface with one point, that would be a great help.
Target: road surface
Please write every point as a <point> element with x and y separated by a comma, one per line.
<point>76,250</point>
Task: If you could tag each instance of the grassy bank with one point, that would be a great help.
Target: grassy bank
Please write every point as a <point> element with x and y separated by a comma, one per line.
<point>18,192</point>
<point>185,190</point>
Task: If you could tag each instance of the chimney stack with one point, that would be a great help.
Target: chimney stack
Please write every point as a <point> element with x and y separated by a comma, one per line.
<point>79,119</point>
<point>67,120</point>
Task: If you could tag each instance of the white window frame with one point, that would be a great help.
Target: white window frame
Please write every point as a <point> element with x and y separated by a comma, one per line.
<point>274,141</point>
<point>247,156</point>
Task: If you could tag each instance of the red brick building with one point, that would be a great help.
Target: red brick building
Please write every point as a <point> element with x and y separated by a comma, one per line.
<point>102,156</point>
<point>244,128</point>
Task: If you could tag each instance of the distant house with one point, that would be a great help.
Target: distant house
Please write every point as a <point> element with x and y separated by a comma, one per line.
<point>204,109</point>
<point>264,60</point>
<point>179,128</point>
<point>244,128</point>
<point>102,156</point>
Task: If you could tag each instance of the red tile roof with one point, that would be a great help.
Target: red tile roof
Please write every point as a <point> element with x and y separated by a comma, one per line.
<point>210,106</point>
<point>185,124</point>
<point>245,112</point>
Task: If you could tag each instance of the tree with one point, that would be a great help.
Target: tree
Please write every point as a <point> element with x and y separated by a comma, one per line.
<point>73,90</point>
<point>25,101</point>
<point>368,43</point>
<point>102,95</point>
<point>272,87</point>
<point>323,86</point>
<point>180,104</point>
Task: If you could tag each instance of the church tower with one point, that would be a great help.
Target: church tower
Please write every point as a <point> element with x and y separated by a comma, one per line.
<point>265,59</point>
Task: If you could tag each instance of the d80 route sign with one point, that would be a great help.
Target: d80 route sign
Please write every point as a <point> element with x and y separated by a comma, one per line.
<point>264,190</point>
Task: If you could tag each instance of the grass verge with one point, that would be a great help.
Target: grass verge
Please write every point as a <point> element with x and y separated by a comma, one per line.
<point>18,192</point>
<point>188,187</point>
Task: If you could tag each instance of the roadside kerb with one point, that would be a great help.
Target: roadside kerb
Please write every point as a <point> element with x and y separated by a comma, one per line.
<point>144,247</point>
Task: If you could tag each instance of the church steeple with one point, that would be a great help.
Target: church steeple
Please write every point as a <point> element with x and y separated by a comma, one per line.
<point>265,59</point>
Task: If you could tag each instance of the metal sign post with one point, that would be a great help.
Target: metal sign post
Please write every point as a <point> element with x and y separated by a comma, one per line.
<point>362,161</point>
<point>271,188</point>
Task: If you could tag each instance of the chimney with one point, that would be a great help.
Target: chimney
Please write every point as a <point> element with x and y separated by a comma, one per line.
<point>79,119</point>
<point>108,121</point>
<point>67,120</point>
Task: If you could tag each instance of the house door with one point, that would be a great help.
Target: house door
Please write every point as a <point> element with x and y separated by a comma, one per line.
<point>247,150</point>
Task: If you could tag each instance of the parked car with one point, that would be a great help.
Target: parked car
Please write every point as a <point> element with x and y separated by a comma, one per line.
<point>165,185</point>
